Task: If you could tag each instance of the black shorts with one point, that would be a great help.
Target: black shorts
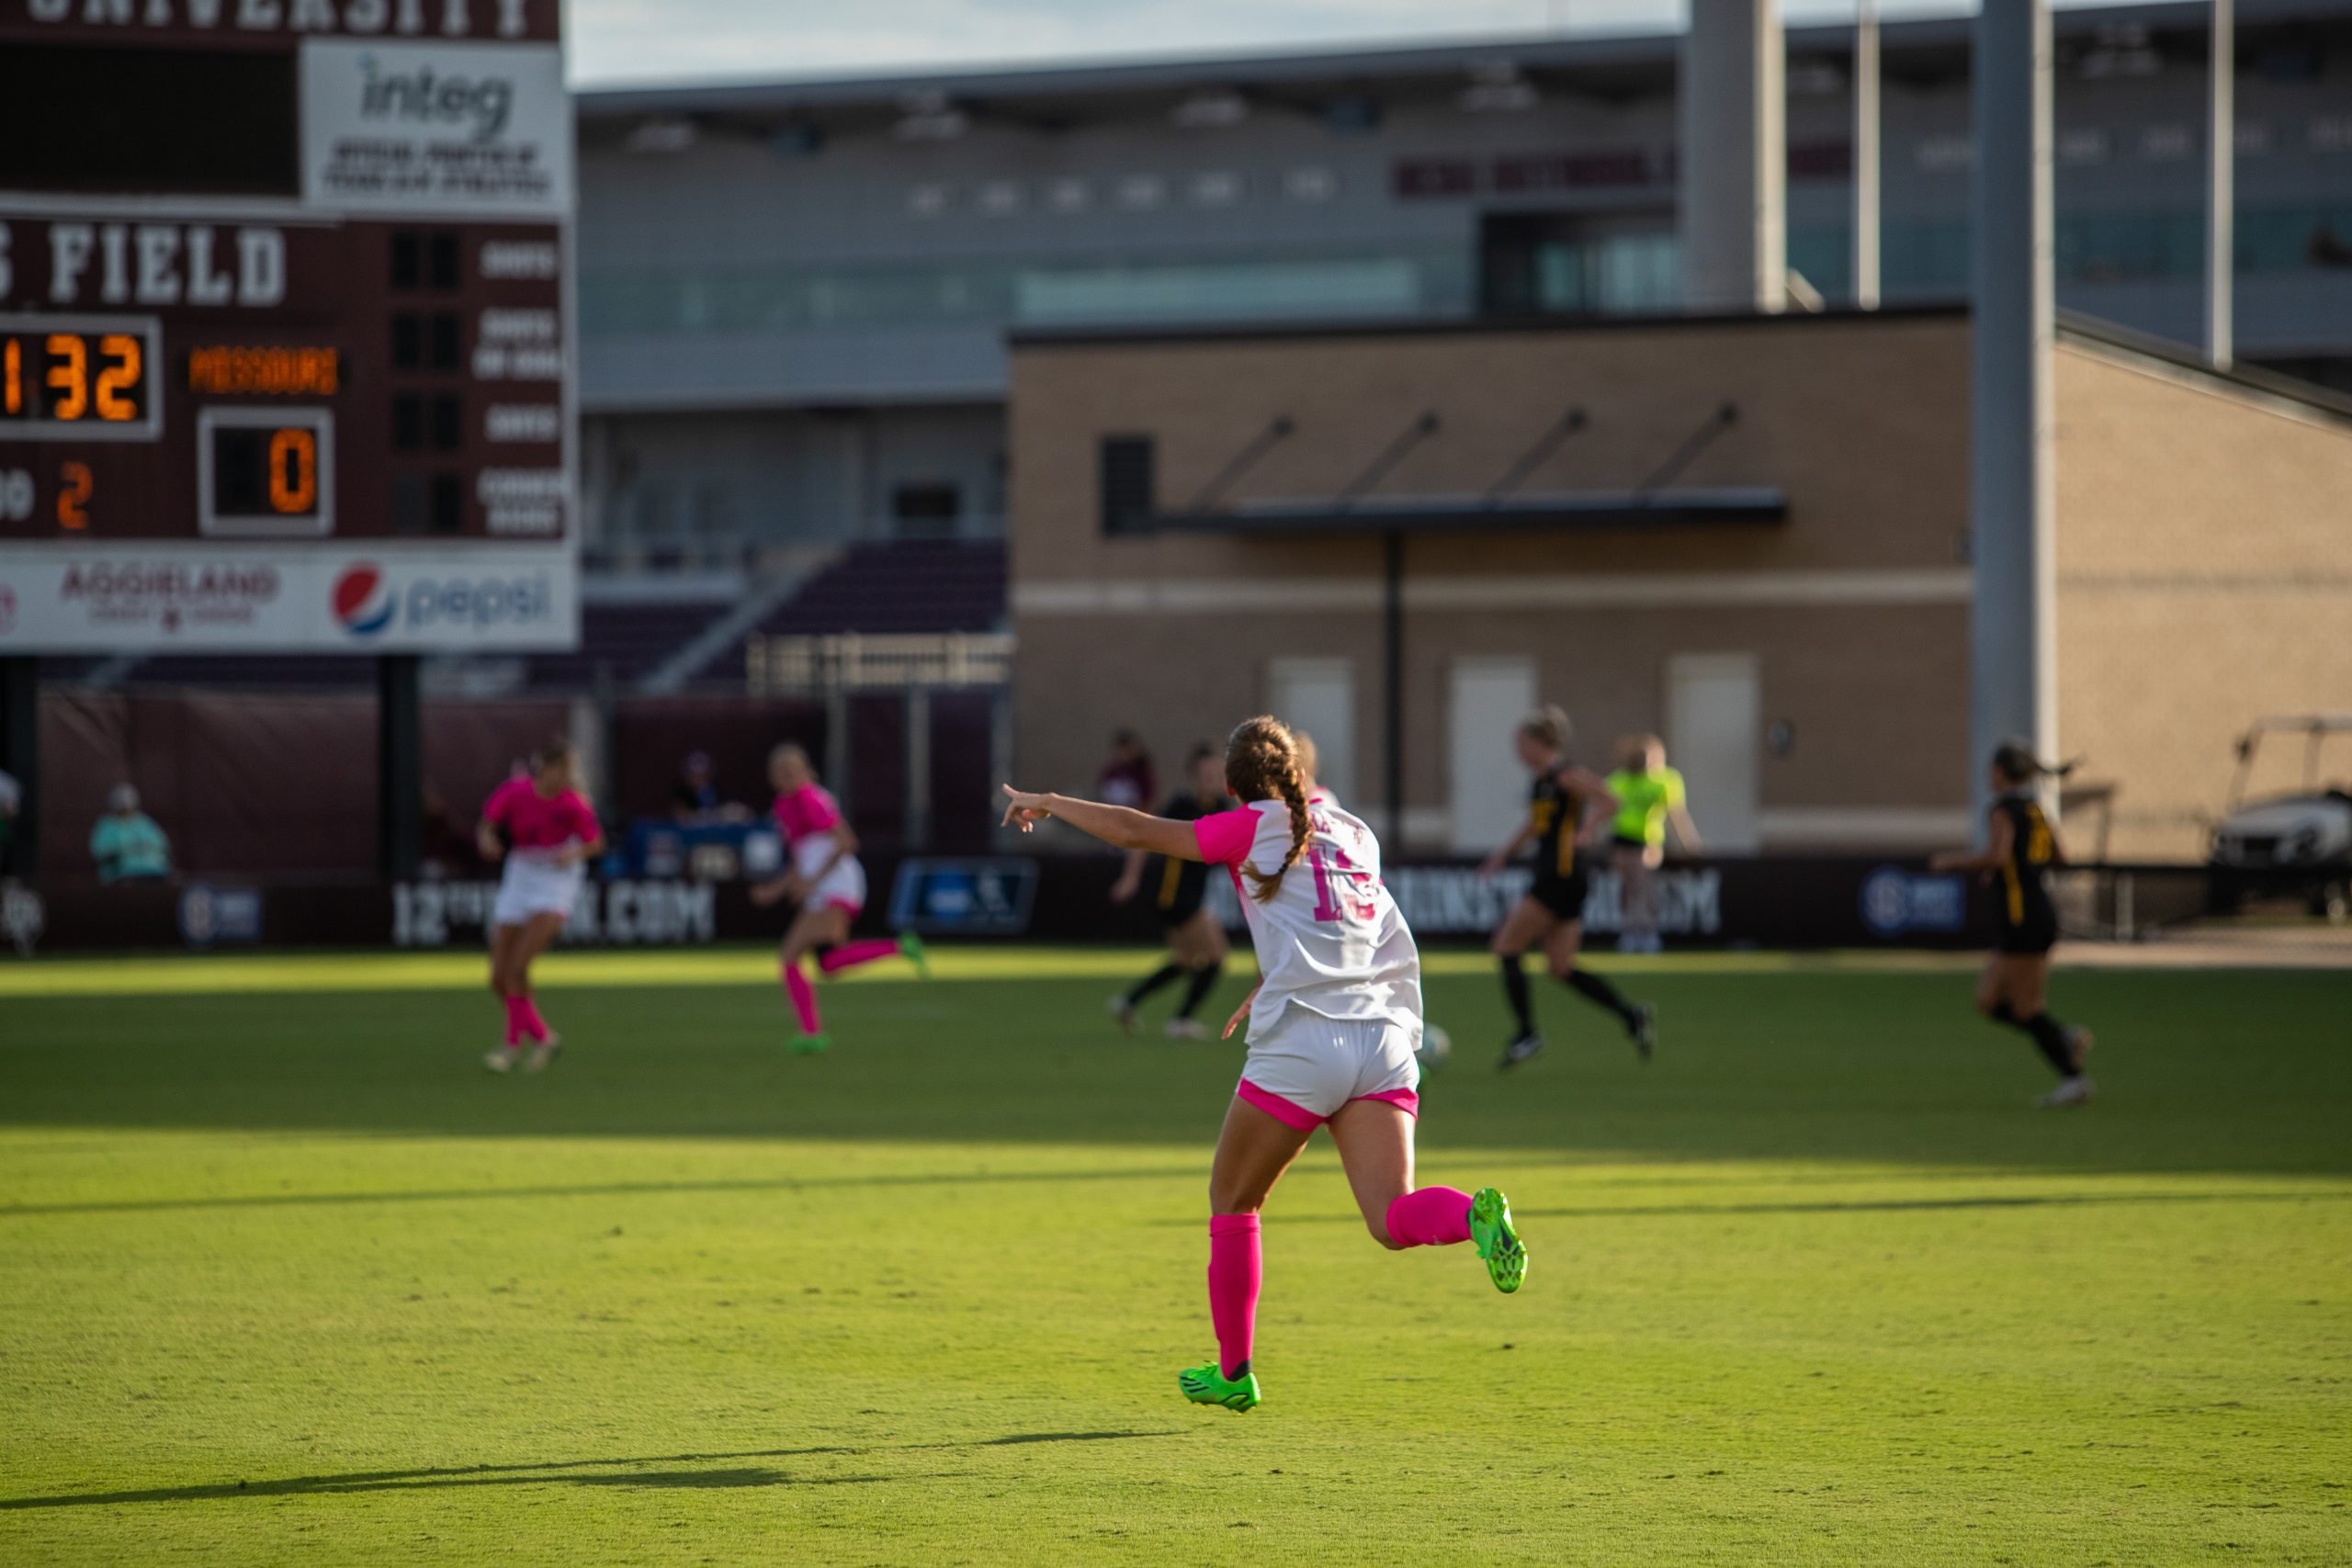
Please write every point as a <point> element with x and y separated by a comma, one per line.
<point>2028,938</point>
<point>1622,842</point>
<point>1563,896</point>
<point>1178,913</point>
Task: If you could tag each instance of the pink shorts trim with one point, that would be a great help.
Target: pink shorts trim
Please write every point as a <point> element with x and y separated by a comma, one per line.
<point>834,901</point>
<point>1406,1099</point>
<point>1290,1112</point>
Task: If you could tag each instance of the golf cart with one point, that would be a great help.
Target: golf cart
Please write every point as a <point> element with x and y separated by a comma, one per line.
<point>2298,844</point>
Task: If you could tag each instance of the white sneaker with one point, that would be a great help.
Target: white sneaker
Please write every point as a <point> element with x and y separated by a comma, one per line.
<point>1187,1029</point>
<point>502,1059</point>
<point>542,1054</point>
<point>2076,1090</point>
<point>1125,1011</point>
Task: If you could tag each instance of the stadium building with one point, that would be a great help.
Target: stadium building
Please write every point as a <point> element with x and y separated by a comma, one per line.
<point>795,297</point>
<point>806,305</point>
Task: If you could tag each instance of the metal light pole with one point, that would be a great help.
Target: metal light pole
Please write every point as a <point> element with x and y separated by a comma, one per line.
<point>2013,613</point>
<point>2220,179</point>
<point>1866,155</point>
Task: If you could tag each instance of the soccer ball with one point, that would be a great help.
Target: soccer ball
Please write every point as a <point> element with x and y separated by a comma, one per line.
<point>1436,1046</point>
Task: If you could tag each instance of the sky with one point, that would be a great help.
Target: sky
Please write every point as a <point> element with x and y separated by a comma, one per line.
<point>614,41</point>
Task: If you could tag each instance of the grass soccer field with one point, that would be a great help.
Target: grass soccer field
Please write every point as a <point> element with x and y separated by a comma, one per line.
<point>286,1276</point>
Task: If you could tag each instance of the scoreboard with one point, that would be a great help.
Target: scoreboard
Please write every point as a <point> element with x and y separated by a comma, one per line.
<point>286,355</point>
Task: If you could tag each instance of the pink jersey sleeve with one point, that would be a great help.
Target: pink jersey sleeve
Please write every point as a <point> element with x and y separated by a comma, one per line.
<point>500,806</point>
<point>805,810</point>
<point>582,817</point>
<point>1225,837</point>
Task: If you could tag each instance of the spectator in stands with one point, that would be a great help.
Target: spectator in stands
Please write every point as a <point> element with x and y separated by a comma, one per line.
<point>12,800</point>
<point>126,844</point>
<point>1128,778</point>
<point>695,799</point>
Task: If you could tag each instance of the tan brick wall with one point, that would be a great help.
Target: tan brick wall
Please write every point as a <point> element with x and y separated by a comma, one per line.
<point>1877,696</point>
<point>2204,580</point>
<point>1811,396</point>
<point>1876,692</point>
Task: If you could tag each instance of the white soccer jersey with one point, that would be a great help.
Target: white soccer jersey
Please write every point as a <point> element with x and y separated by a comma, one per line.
<point>1332,940</point>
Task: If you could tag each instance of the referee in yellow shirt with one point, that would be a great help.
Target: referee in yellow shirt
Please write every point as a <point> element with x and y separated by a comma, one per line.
<point>1649,795</point>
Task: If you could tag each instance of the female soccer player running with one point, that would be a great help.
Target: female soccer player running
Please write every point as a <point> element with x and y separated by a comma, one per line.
<point>828,884</point>
<point>1333,1027</point>
<point>543,828</point>
<point>2020,847</point>
<point>1568,809</point>
<point>1197,947</point>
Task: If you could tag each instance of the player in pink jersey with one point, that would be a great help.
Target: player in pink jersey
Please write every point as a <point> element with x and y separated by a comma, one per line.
<point>544,829</point>
<point>1333,1028</point>
<point>823,876</point>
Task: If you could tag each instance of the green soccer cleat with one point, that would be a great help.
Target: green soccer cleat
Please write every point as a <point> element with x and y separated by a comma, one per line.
<point>911,948</point>
<point>1209,1385</point>
<point>809,1045</point>
<point>1499,1243</point>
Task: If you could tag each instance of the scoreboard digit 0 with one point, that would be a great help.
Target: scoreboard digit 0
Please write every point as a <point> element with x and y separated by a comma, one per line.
<point>264,473</point>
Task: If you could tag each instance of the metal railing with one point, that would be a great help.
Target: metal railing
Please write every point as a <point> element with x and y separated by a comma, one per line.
<point>777,666</point>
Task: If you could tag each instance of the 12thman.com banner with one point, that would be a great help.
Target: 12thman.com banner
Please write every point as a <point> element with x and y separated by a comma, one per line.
<point>388,599</point>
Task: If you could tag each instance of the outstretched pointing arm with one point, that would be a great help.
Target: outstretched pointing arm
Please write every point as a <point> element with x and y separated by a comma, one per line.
<point>1118,826</point>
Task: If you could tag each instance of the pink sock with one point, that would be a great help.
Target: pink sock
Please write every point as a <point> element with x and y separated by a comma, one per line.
<point>513,1020</point>
<point>1236,1270</point>
<point>850,954</point>
<point>804,997</point>
<point>533,1024</point>
<point>1429,1216</point>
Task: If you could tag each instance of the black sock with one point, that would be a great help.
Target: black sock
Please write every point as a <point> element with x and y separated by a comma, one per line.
<point>1165,975</point>
<point>1522,1005</point>
<point>1237,1373</point>
<point>2049,1037</point>
<point>1601,993</point>
<point>1204,981</point>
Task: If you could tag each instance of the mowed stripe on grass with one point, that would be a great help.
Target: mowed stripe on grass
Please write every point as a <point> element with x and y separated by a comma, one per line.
<point>1813,1288</point>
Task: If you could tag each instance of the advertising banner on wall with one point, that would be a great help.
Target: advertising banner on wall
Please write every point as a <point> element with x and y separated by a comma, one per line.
<point>320,598</point>
<point>1790,903</point>
<point>479,129</point>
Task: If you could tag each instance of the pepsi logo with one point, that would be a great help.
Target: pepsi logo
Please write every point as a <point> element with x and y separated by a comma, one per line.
<point>363,600</point>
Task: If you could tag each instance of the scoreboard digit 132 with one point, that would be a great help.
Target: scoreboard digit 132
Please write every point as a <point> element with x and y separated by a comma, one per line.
<point>286,328</point>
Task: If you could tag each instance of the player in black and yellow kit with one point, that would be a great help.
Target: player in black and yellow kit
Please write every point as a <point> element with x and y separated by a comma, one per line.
<point>2020,850</point>
<point>1196,944</point>
<point>1568,810</point>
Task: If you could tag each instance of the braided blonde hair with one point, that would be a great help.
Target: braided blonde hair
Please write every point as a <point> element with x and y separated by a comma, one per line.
<point>1262,763</point>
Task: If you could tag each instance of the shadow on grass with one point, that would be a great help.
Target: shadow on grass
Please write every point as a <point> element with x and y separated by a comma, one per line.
<point>595,1190</point>
<point>570,1472</point>
<point>1875,1206</point>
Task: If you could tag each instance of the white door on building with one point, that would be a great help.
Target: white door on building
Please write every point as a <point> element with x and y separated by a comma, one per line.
<point>1319,695</point>
<point>1487,700</point>
<point>1714,716</point>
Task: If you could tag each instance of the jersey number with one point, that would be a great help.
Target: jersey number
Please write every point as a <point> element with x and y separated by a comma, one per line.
<point>1332,900</point>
